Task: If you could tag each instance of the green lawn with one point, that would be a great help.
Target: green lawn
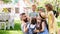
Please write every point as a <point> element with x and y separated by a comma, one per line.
<point>10,32</point>
<point>58,22</point>
<point>16,30</point>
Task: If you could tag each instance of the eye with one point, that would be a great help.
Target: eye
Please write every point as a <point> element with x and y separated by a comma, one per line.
<point>24,16</point>
<point>38,19</point>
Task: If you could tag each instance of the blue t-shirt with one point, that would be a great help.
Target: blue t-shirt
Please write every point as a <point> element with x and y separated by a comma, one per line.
<point>33,14</point>
<point>31,28</point>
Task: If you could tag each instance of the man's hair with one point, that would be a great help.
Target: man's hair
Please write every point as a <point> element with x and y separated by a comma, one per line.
<point>23,14</point>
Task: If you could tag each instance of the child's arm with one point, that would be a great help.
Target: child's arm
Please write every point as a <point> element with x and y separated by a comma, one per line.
<point>52,17</point>
<point>43,15</point>
<point>36,30</point>
<point>43,26</point>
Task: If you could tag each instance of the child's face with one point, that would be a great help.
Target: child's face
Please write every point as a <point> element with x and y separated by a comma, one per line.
<point>34,8</point>
<point>38,20</point>
<point>40,11</point>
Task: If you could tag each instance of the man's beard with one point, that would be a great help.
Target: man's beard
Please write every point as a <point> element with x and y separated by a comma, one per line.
<point>25,20</point>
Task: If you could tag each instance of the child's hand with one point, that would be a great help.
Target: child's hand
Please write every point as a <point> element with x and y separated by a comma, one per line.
<point>36,30</point>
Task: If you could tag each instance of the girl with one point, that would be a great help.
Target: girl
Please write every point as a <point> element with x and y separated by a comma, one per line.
<point>42,15</point>
<point>51,19</point>
<point>41,22</point>
<point>41,26</point>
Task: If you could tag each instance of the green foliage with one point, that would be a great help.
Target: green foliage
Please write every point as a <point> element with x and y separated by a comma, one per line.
<point>6,1</point>
<point>58,9</point>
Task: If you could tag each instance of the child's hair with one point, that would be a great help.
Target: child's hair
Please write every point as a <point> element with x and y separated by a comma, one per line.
<point>41,9</point>
<point>49,7</point>
<point>39,23</point>
<point>33,21</point>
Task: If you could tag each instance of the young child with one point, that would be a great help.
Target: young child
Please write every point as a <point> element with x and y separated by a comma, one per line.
<point>41,27</point>
<point>32,26</point>
<point>51,19</point>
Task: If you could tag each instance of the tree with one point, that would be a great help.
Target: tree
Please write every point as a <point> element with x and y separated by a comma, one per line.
<point>6,1</point>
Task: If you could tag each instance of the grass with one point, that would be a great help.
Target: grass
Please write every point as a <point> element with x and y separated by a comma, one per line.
<point>58,22</point>
<point>10,32</point>
<point>16,30</point>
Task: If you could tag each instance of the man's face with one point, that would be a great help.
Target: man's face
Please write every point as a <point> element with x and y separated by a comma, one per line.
<point>24,17</point>
<point>34,8</point>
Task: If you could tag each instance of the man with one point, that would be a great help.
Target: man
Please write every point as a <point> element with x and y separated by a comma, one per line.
<point>24,23</point>
<point>33,14</point>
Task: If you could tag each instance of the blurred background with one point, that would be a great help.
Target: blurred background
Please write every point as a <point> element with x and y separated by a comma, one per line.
<point>16,7</point>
